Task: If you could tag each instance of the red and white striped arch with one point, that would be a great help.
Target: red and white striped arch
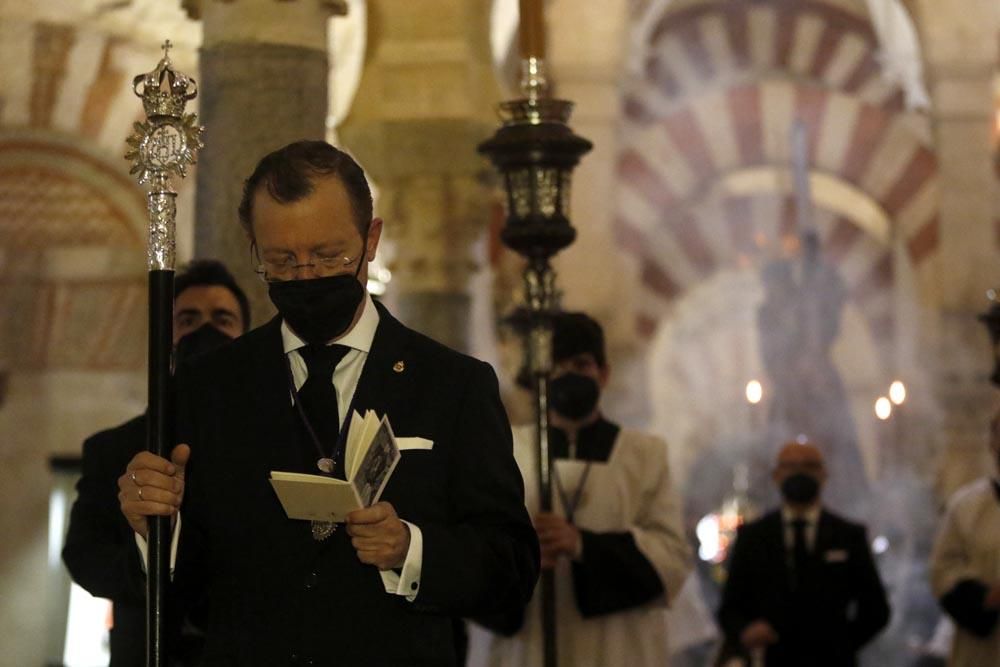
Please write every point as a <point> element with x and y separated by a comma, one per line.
<point>704,156</point>
<point>72,221</point>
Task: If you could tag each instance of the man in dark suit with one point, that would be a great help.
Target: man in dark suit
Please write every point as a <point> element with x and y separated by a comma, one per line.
<point>210,309</point>
<point>802,587</point>
<point>450,536</point>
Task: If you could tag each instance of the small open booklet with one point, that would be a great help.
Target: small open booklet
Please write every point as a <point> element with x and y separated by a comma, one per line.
<point>370,456</point>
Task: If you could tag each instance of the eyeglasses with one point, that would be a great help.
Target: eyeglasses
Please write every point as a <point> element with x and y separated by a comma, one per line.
<point>286,267</point>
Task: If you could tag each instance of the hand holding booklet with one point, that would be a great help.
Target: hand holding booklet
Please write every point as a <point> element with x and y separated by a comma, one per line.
<point>370,456</point>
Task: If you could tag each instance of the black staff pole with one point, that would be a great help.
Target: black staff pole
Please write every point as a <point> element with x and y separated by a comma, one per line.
<point>535,151</point>
<point>162,145</point>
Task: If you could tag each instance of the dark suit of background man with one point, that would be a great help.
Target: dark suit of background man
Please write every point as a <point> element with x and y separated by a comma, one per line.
<point>802,586</point>
<point>210,310</point>
<point>450,536</point>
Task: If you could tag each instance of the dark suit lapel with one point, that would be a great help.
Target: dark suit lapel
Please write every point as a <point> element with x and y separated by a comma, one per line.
<point>385,367</point>
<point>813,574</point>
<point>280,433</point>
<point>776,552</point>
<point>824,536</point>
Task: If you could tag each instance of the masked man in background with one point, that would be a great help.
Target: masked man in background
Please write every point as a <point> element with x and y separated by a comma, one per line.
<point>802,588</point>
<point>210,310</point>
<point>614,537</point>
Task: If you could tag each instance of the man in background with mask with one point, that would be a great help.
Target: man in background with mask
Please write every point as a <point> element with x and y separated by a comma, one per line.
<point>450,535</point>
<point>802,587</point>
<point>210,310</point>
<point>614,537</point>
<point>965,565</point>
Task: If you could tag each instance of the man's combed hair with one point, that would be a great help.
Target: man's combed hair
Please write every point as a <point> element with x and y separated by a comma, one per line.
<point>289,174</point>
<point>572,334</point>
<point>210,272</point>
<point>577,333</point>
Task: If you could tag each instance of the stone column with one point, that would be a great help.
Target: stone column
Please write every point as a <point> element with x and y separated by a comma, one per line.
<point>960,43</point>
<point>263,84</point>
<point>586,51</point>
<point>425,102</point>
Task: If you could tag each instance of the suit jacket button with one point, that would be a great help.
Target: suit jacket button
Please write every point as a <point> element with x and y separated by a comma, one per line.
<point>312,580</point>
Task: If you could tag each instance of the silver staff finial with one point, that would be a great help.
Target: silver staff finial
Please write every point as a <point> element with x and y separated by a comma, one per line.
<point>163,145</point>
<point>167,142</point>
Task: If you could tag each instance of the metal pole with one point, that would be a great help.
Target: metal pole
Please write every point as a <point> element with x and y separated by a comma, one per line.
<point>541,297</point>
<point>164,144</point>
<point>535,151</point>
<point>159,440</point>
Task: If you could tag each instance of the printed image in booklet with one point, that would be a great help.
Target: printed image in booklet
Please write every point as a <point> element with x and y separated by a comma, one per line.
<point>377,465</point>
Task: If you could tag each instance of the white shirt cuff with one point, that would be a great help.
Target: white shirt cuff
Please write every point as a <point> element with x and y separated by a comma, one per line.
<point>407,582</point>
<point>140,542</point>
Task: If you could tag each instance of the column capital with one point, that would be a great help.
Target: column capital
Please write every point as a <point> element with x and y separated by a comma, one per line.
<point>193,8</point>
<point>961,90</point>
<point>434,219</point>
<point>301,23</point>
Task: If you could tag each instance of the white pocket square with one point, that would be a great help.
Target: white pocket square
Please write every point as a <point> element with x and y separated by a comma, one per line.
<point>414,443</point>
<point>835,556</point>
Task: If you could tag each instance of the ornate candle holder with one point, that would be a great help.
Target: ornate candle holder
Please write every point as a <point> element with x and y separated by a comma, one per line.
<point>535,152</point>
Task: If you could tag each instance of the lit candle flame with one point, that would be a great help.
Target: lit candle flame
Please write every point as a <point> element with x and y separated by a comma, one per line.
<point>883,408</point>
<point>897,392</point>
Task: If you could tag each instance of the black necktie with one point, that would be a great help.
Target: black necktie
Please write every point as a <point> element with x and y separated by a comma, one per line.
<point>319,396</point>
<point>800,552</point>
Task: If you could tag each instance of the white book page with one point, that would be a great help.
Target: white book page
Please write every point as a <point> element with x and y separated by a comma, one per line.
<point>368,429</point>
<point>351,446</point>
<point>314,497</point>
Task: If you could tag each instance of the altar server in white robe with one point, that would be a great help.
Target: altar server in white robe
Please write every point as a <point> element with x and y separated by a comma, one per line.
<point>614,537</point>
<point>965,566</point>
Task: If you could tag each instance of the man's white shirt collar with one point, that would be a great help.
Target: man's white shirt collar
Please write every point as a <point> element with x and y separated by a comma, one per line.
<point>811,515</point>
<point>359,338</point>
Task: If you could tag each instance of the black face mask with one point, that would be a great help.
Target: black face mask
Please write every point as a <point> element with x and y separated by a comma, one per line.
<point>320,309</point>
<point>800,488</point>
<point>574,396</point>
<point>202,340</point>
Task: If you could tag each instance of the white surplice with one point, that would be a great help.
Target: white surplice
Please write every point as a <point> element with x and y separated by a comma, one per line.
<point>631,491</point>
<point>968,547</point>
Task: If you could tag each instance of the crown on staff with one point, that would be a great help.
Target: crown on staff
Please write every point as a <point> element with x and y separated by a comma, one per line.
<point>164,91</point>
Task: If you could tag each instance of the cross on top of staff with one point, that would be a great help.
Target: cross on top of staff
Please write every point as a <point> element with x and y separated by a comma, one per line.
<point>167,45</point>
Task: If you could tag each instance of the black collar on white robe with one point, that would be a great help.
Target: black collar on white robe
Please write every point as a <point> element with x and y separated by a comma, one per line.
<point>594,442</point>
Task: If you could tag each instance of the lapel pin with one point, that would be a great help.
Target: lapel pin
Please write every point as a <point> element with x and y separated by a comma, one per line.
<point>399,366</point>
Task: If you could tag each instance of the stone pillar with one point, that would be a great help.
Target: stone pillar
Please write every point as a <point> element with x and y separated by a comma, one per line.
<point>263,84</point>
<point>425,102</point>
<point>586,59</point>
<point>960,42</point>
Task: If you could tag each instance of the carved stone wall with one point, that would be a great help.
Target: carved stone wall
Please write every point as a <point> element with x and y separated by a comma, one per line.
<point>424,104</point>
